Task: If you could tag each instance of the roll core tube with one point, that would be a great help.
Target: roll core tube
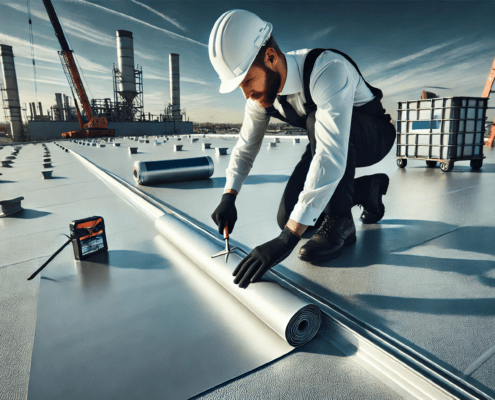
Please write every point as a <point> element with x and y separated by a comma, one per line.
<point>185,169</point>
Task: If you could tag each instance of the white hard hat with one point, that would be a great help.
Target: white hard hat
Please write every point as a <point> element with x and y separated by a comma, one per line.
<point>235,40</point>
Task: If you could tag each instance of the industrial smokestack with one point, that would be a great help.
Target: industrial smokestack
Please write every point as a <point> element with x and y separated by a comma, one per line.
<point>33,105</point>
<point>175,85</point>
<point>125,53</point>
<point>68,114</point>
<point>10,86</point>
<point>58,109</point>
<point>34,110</point>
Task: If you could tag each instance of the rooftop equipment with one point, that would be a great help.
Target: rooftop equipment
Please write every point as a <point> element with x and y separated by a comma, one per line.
<point>96,126</point>
<point>10,206</point>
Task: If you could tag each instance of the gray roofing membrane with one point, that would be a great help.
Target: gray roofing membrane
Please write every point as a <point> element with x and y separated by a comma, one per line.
<point>424,275</point>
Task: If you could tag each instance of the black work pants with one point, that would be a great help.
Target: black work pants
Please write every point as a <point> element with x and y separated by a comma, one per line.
<point>371,139</point>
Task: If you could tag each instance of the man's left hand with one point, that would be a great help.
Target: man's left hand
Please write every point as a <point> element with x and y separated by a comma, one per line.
<point>262,258</point>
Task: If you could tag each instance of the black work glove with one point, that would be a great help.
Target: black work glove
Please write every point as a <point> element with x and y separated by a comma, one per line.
<point>262,258</point>
<point>225,213</point>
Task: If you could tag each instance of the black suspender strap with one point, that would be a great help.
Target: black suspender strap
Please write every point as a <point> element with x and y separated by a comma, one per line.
<point>309,63</point>
<point>374,107</point>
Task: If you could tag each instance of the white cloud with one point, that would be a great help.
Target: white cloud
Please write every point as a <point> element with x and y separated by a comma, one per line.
<point>321,33</point>
<point>169,33</point>
<point>107,77</point>
<point>50,81</point>
<point>381,67</point>
<point>81,31</point>
<point>22,49</point>
<point>60,69</point>
<point>38,35</point>
<point>196,98</point>
<point>144,55</point>
<point>435,71</point>
<point>71,27</point>
<point>166,18</point>
<point>182,78</point>
<point>421,53</point>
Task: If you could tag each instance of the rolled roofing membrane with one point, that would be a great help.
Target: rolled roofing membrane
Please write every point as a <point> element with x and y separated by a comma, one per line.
<point>293,319</point>
<point>185,169</point>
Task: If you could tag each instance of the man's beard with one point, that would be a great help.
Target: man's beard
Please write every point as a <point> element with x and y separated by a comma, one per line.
<point>272,84</point>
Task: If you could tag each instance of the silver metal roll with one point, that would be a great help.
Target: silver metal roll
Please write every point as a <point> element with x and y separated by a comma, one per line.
<point>185,169</point>
<point>292,318</point>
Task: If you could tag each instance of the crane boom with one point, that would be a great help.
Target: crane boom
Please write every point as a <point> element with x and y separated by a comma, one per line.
<point>59,33</point>
<point>96,126</point>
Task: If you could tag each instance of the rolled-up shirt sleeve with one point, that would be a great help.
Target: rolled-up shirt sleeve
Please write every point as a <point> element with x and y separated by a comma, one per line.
<point>248,145</point>
<point>333,92</point>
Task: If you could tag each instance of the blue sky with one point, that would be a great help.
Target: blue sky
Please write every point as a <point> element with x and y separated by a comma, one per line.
<point>401,47</point>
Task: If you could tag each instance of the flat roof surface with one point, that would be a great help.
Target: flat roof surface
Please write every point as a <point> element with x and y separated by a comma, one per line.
<point>424,275</point>
<point>98,328</point>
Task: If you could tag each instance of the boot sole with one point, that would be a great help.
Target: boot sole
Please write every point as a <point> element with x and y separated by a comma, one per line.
<point>383,192</point>
<point>348,242</point>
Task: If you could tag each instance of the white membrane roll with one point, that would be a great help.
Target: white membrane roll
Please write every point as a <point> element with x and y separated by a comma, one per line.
<point>182,169</point>
<point>292,318</point>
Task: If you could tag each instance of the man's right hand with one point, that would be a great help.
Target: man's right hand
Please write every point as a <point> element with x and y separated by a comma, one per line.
<point>225,213</point>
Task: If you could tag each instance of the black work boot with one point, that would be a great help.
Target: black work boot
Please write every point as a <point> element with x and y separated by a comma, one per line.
<point>373,208</point>
<point>330,241</point>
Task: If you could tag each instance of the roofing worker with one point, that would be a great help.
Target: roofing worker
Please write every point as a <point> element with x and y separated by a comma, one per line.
<point>322,91</point>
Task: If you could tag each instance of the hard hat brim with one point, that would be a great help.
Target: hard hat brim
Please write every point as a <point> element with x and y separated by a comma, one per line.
<point>232,84</point>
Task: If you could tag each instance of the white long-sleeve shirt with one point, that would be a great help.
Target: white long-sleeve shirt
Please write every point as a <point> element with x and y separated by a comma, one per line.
<point>335,87</point>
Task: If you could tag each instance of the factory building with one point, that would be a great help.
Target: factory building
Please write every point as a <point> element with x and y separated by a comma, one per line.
<point>125,113</point>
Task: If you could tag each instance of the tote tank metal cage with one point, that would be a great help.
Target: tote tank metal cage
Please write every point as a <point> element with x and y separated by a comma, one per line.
<point>447,129</point>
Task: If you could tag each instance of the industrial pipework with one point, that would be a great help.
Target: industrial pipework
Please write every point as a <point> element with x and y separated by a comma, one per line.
<point>175,85</point>
<point>12,92</point>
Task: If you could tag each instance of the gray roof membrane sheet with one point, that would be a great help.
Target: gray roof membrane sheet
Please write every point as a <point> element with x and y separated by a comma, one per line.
<point>314,371</point>
<point>141,321</point>
<point>424,275</point>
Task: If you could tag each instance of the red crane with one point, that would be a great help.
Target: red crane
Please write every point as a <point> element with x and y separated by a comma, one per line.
<point>486,92</point>
<point>96,126</point>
